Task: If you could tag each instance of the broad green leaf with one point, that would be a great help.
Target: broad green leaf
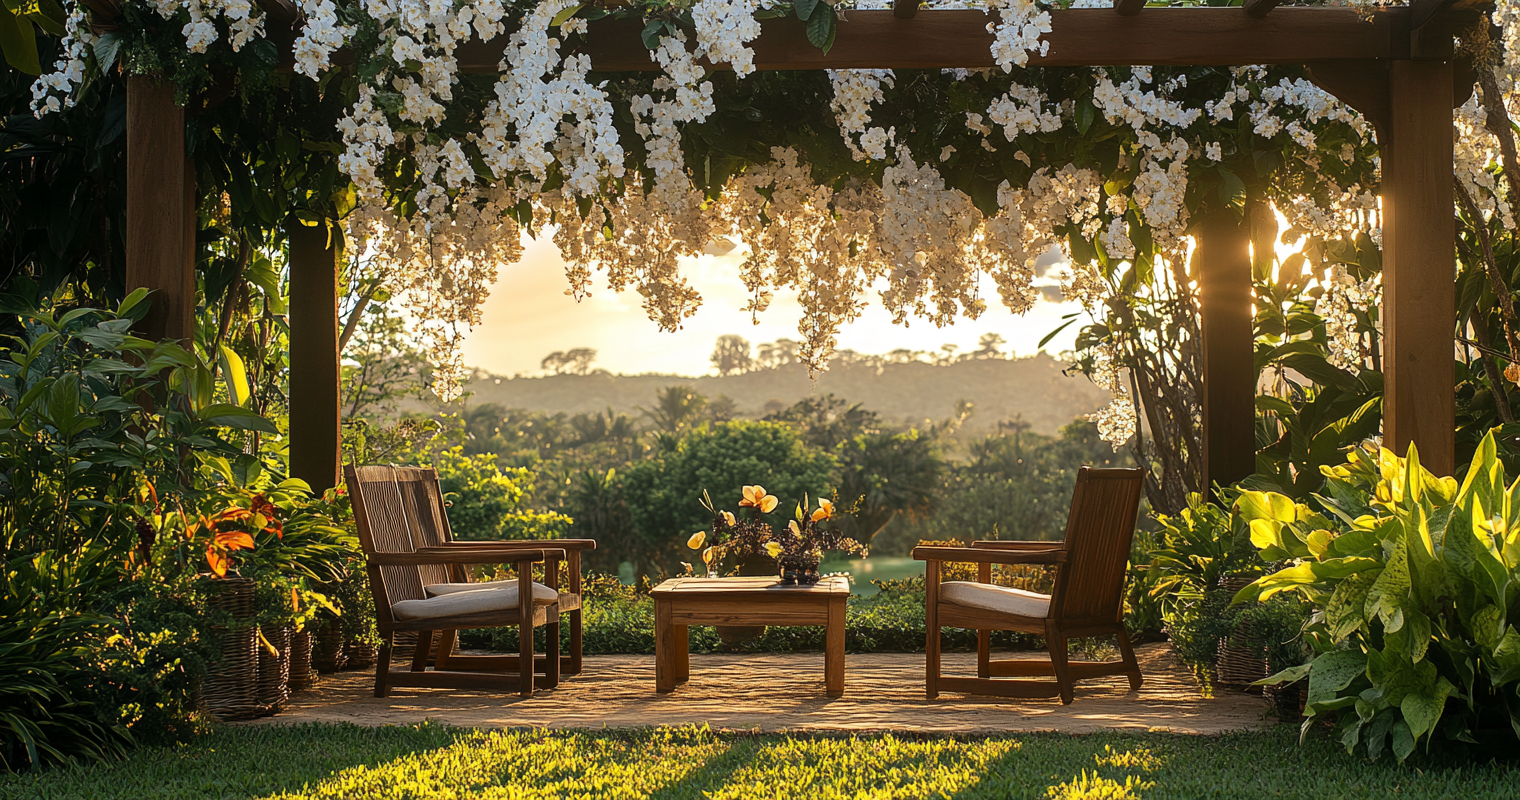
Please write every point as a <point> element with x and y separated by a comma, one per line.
<point>805,8</point>
<point>1266,505</point>
<point>1504,665</point>
<point>133,300</point>
<point>18,40</point>
<point>1289,675</point>
<point>235,376</point>
<point>231,416</point>
<point>1334,671</point>
<point>1403,740</point>
<point>1391,587</point>
<point>563,16</point>
<point>1344,613</point>
<point>1422,710</point>
<point>821,28</point>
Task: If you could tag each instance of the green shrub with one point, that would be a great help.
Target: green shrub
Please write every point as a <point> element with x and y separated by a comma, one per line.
<point>1414,580</point>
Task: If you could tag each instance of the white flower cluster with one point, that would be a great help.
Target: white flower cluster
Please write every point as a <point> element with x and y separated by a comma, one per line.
<point>54,90</point>
<point>243,18</point>
<point>1337,306</point>
<point>1024,109</point>
<point>1017,32</point>
<point>725,27</point>
<point>855,91</point>
<point>320,37</point>
<point>1116,421</point>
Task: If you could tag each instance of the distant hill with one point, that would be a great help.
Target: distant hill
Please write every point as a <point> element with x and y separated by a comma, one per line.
<point>1033,388</point>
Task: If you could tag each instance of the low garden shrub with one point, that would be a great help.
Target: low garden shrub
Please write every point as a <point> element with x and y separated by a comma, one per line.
<point>1414,580</point>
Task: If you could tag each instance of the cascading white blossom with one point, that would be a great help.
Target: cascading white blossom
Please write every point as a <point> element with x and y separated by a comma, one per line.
<point>855,91</point>
<point>1017,32</point>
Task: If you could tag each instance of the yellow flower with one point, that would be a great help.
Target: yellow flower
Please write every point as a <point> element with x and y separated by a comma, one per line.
<point>728,517</point>
<point>710,556</point>
<point>793,525</point>
<point>756,497</point>
<point>825,510</point>
<point>697,540</point>
<point>773,549</point>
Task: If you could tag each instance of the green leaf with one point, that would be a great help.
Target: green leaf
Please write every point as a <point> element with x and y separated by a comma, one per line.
<point>235,376</point>
<point>132,300</point>
<point>230,416</point>
<point>1422,710</point>
<point>561,17</point>
<point>804,8</point>
<point>18,40</point>
<point>1334,671</point>
<point>1343,614</point>
<point>651,34</point>
<point>1403,740</point>
<point>1085,114</point>
<point>106,49</point>
<point>821,29</point>
<point>1391,587</point>
<point>1289,675</point>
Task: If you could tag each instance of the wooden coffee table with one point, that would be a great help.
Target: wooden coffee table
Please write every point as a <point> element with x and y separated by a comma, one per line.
<point>682,602</point>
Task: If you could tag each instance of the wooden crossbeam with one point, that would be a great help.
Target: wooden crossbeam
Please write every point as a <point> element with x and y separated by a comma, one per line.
<point>1128,8</point>
<point>1216,36</point>
<point>905,9</point>
<point>1260,8</point>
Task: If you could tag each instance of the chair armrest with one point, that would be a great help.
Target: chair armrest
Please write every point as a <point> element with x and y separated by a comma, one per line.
<point>1004,545</point>
<point>478,555</point>
<point>987,555</point>
<point>562,544</point>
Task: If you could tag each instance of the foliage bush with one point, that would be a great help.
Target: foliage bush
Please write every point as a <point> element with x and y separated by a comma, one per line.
<point>663,494</point>
<point>1413,579</point>
<point>486,501</point>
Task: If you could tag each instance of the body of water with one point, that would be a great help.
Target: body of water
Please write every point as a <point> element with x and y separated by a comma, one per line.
<point>864,570</point>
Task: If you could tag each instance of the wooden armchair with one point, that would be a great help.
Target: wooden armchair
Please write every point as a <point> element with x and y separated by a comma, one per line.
<point>424,503</point>
<point>401,565</point>
<point>1087,599</point>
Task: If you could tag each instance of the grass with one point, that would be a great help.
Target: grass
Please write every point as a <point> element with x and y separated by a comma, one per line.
<point>435,761</point>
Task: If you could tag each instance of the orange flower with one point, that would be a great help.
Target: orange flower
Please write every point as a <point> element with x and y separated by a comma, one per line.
<point>756,497</point>
<point>223,543</point>
<point>267,516</point>
<point>825,510</point>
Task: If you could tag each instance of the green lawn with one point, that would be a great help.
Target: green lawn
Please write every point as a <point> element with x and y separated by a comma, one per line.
<point>436,761</point>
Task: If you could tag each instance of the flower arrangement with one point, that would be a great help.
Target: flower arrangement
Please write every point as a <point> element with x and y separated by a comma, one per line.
<point>797,547</point>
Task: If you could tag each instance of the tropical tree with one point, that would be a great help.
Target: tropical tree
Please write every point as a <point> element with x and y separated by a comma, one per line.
<point>731,355</point>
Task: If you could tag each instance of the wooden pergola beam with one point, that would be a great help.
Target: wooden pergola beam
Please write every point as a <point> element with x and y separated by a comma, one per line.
<point>1220,36</point>
<point>160,213</point>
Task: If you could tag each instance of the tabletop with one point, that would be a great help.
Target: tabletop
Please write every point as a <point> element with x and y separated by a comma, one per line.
<point>756,588</point>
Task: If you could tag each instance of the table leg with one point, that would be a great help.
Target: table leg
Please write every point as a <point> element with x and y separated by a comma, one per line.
<point>680,641</point>
<point>833,650</point>
<point>664,647</point>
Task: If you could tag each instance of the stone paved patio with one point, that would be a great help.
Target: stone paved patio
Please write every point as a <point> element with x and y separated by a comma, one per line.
<point>775,692</point>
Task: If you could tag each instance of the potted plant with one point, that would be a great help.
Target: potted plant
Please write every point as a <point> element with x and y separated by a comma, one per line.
<point>797,547</point>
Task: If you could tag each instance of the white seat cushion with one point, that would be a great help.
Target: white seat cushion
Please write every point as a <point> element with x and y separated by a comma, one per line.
<point>496,598</point>
<point>995,598</point>
<point>542,594</point>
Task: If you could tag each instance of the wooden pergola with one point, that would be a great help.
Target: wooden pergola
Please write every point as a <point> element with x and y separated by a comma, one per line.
<point>1394,65</point>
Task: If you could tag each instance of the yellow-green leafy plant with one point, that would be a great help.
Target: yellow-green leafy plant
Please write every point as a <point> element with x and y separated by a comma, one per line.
<point>1416,583</point>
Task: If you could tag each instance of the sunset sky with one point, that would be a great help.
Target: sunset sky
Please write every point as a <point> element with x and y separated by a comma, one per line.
<point>529,316</point>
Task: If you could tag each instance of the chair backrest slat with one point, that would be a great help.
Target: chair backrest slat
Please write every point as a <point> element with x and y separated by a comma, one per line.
<point>418,485</point>
<point>380,510</point>
<point>1099,533</point>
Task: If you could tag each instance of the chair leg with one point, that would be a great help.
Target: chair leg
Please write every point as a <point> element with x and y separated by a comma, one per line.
<point>383,666</point>
<point>984,654</point>
<point>551,652</point>
<point>575,643</point>
<point>446,642</point>
<point>420,655</point>
<point>1055,642</point>
<point>931,640</point>
<point>1131,666</point>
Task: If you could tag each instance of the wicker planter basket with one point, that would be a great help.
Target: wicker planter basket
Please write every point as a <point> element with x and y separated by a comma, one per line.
<point>300,660</point>
<point>327,648</point>
<point>1237,664</point>
<point>274,671</point>
<point>230,688</point>
<point>358,655</point>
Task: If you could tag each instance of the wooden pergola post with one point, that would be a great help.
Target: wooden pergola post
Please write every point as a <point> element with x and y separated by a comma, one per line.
<point>1419,282</point>
<point>160,213</point>
<point>315,435</point>
<point>1226,320</point>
